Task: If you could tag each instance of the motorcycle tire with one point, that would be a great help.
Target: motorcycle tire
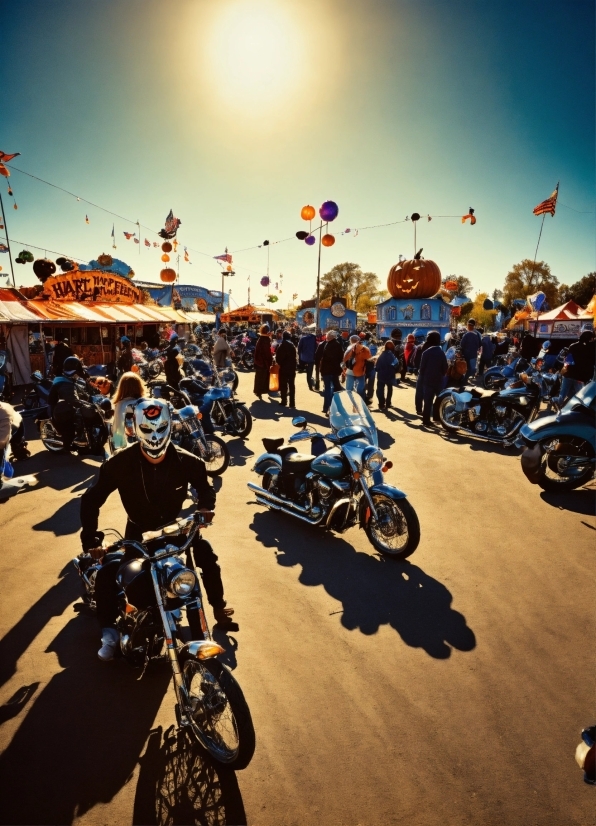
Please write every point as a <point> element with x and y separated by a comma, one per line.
<point>236,381</point>
<point>248,361</point>
<point>551,480</point>
<point>242,420</point>
<point>154,369</point>
<point>392,543</point>
<point>220,456</point>
<point>50,437</point>
<point>219,706</point>
<point>441,412</point>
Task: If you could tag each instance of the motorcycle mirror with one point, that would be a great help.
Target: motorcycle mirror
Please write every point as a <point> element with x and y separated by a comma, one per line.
<point>299,421</point>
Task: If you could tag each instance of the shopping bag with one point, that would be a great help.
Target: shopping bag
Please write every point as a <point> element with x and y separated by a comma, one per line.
<point>274,378</point>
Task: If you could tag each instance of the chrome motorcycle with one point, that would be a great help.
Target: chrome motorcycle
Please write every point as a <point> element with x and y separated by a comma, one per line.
<point>340,487</point>
<point>493,415</point>
<point>155,584</point>
<point>90,421</point>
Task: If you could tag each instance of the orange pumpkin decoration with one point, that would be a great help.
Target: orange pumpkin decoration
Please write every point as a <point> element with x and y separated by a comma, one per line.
<point>418,278</point>
<point>451,285</point>
<point>166,246</point>
<point>165,257</point>
<point>168,275</point>
<point>328,240</point>
<point>307,213</point>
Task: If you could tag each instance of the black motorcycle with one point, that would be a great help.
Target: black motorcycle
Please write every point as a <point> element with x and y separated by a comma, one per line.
<point>493,415</point>
<point>90,414</point>
<point>155,584</point>
<point>6,391</point>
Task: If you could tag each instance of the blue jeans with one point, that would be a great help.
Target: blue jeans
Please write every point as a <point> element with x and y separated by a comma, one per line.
<point>471,368</point>
<point>355,383</point>
<point>569,387</point>
<point>331,385</point>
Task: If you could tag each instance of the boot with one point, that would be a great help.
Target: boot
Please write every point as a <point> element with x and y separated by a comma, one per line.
<point>109,643</point>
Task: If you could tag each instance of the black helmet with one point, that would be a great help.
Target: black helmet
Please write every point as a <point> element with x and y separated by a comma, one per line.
<point>73,366</point>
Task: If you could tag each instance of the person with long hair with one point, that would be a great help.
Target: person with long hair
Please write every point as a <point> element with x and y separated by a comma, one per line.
<point>263,362</point>
<point>130,389</point>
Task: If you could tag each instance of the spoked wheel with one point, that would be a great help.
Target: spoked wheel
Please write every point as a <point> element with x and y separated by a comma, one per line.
<point>154,368</point>
<point>241,419</point>
<point>395,531</point>
<point>216,456</point>
<point>566,465</point>
<point>450,418</point>
<point>50,437</point>
<point>218,713</point>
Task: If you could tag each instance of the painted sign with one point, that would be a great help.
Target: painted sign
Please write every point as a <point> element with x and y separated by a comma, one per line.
<point>161,294</point>
<point>92,285</point>
<point>338,310</point>
<point>191,297</point>
<point>566,329</point>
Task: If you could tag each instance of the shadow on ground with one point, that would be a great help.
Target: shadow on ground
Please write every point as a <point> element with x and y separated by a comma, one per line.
<point>577,501</point>
<point>373,591</point>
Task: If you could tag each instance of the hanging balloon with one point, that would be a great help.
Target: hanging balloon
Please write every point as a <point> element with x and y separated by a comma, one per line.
<point>165,257</point>
<point>25,256</point>
<point>265,281</point>
<point>328,240</point>
<point>166,246</point>
<point>310,240</point>
<point>67,266</point>
<point>43,268</point>
<point>265,244</point>
<point>414,216</point>
<point>488,304</point>
<point>168,275</point>
<point>19,260</point>
<point>307,213</point>
<point>329,211</point>
<point>301,235</point>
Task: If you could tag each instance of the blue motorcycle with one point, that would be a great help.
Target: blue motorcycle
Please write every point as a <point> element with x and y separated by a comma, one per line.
<point>560,450</point>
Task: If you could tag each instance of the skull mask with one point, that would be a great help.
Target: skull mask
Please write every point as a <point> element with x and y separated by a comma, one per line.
<point>153,426</point>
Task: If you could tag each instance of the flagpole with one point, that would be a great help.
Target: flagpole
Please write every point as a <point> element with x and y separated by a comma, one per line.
<point>7,241</point>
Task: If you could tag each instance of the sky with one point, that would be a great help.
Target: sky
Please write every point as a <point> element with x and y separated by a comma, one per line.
<point>237,113</point>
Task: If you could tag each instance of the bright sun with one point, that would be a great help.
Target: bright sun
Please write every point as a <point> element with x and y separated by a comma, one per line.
<point>255,51</point>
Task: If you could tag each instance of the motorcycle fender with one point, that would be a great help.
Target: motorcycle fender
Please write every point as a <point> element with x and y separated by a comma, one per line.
<point>530,462</point>
<point>443,394</point>
<point>199,650</point>
<point>386,490</point>
<point>265,461</point>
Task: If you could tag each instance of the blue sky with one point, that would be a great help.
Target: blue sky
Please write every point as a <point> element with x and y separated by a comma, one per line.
<point>236,113</point>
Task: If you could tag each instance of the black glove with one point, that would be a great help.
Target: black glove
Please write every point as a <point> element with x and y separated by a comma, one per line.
<point>92,540</point>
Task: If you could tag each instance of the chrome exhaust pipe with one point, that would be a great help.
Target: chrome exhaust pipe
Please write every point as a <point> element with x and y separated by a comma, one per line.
<point>274,501</point>
<point>292,513</point>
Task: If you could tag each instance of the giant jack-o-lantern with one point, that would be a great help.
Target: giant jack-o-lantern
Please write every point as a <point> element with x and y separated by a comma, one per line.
<point>418,278</point>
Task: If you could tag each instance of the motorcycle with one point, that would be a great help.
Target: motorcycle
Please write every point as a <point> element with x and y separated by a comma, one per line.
<point>231,415</point>
<point>91,432</point>
<point>585,755</point>
<point>340,487</point>
<point>505,370</point>
<point>6,391</point>
<point>492,415</point>
<point>188,432</point>
<point>155,585</point>
<point>560,450</point>
<point>243,351</point>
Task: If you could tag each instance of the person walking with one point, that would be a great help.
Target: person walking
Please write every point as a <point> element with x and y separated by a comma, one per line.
<point>355,359</point>
<point>62,351</point>
<point>263,362</point>
<point>221,350</point>
<point>386,368</point>
<point>329,357</point>
<point>408,350</point>
<point>307,347</point>
<point>370,368</point>
<point>433,369</point>
<point>578,367</point>
<point>285,356</point>
<point>469,346</point>
<point>125,360</point>
<point>487,352</point>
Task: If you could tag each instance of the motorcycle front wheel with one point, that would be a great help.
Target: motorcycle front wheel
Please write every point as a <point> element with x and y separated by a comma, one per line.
<point>395,531</point>
<point>218,713</point>
<point>50,437</point>
<point>241,420</point>
<point>448,415</point>
<point>217,456</point>
<point>154,368</point>
<point>565,465</point>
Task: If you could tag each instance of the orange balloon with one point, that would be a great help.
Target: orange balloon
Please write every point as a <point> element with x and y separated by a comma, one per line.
<point>165,257</point>
<point>328,240</point>
<point>229,268</point>
<point>307,213</point>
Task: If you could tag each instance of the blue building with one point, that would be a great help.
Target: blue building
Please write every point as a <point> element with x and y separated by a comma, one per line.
<point>410,314</point>
<point>336,317</point>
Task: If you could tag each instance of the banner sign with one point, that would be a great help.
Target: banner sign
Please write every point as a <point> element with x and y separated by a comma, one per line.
<point>162,295</point>
<point>198,299</point>
<point>92,285</point>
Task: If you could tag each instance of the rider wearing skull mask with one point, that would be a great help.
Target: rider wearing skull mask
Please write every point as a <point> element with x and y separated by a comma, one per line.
<point>152,478</point>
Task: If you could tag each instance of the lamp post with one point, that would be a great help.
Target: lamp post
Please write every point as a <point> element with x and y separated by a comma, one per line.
<point>328,211</point>
<point>224,273</point>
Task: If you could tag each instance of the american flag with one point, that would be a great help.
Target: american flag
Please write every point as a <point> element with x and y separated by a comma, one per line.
<point>548,205</point>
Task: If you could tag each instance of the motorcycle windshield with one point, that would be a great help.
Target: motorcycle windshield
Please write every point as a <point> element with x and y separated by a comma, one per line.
<point>586,397</point>
<point>349,410</point>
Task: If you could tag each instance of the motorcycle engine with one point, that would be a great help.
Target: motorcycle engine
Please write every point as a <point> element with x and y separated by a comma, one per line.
<point>474,413</point>
<point>500,410</point>
<point>324,488</point>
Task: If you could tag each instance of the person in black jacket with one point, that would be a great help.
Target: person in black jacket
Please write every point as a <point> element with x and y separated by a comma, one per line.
<point>328,358</point>
<point>125,360</point>
<point>285,356</point>
<point>433,369</point>
<point>64,399</point>
<point>172,367</point>
<point>152,477</point>
<point>62,351</point>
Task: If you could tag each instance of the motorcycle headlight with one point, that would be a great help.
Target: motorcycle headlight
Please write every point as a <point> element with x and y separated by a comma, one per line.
<point>182,583</point>
<point>372,459</point>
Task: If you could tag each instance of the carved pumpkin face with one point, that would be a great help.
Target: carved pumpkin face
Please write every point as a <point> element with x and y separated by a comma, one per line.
<point>414,279</point>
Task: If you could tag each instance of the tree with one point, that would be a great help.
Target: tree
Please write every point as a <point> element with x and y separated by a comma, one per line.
<point>360,289</point>
<point>484,318</point>
<point>581,292</point>
<point>464,287</point>
<point>527,278</point>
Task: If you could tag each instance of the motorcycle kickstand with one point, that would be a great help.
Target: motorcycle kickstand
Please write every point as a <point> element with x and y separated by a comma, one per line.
<point>147,658</point>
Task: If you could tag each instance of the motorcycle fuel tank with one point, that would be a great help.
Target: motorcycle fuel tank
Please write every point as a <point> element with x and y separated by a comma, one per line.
<point>330,464</point>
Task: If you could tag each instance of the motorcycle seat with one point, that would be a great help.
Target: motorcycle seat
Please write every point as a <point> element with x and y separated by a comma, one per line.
<point>297,463</point>
<point>481,393</point>
<point>272,445</point>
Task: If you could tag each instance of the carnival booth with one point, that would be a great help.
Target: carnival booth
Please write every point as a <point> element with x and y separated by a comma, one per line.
<point>333,315</point>
<point>92,308</point>
<point>414,304</point>
<point>564,322</point>
<point>251,314</point>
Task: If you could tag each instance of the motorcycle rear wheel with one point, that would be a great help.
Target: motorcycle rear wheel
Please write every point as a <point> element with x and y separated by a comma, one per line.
<point>217,458</point>
<point>50,437</point>
<point>218,713</point>
<point>396,534</point>
<point>446,414</point>
<point>559,458</point>
<point>242,420</point>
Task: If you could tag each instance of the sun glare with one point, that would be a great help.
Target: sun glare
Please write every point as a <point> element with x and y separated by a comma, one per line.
<point>255,53</point>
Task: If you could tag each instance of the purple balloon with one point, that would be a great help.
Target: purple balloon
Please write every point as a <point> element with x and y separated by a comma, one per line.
<point>310,240</point>
<point>329,211</point>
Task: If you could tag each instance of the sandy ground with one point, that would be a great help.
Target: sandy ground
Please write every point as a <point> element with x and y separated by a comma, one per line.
<point>447,690</point>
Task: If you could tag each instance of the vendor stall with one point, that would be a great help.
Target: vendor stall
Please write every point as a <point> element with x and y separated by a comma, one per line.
<point>333,315</point>
<point>250,314</point>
